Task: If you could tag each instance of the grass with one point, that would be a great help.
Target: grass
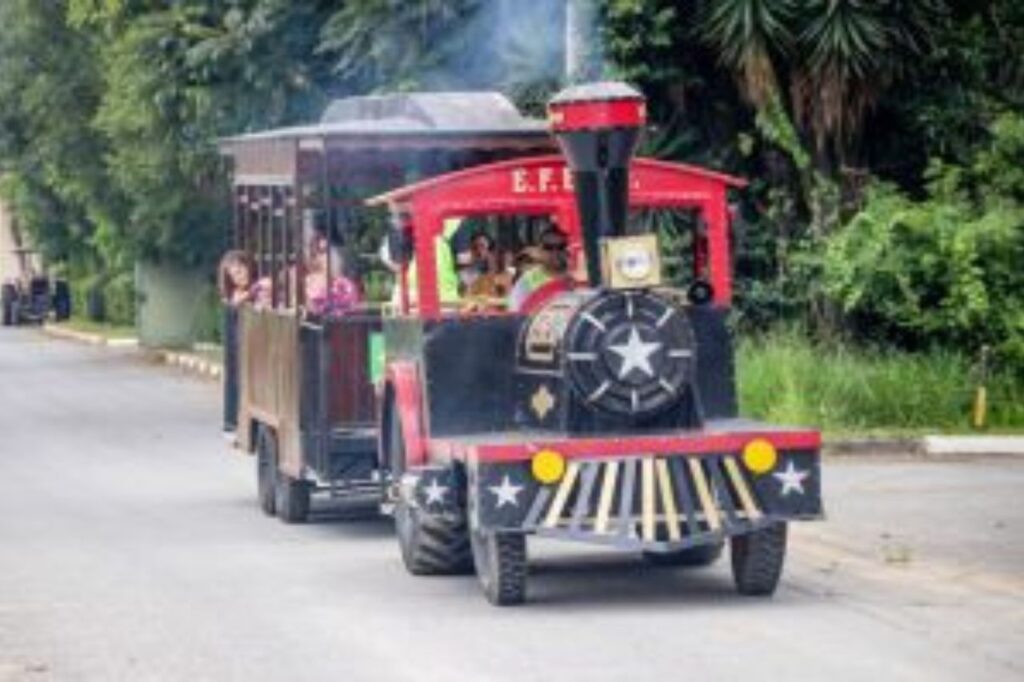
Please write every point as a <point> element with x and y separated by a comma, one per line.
<point>784,378</point>
<point>108,331</point>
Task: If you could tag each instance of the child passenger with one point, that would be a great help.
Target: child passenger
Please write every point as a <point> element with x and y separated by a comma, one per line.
<point>335,297</point>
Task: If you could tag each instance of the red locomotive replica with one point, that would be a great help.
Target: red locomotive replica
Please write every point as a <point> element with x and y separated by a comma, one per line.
<point>588,395</point>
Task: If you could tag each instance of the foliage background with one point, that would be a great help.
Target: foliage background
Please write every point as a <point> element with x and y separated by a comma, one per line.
<point>884,140</point>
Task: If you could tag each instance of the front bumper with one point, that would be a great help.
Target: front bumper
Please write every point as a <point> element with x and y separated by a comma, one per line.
<point>658,503</point>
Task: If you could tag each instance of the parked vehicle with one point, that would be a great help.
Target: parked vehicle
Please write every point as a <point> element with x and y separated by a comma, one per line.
<point>596,403</point>
<point>30,297</point>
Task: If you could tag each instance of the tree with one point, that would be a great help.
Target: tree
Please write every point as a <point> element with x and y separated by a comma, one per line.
<point>51,155</point>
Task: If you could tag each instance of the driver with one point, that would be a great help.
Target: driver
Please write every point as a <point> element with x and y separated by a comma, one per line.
<point>546,267</point>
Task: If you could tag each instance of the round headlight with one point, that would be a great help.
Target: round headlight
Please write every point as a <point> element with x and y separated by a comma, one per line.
<point>548,466</point>
<point>760,456</point>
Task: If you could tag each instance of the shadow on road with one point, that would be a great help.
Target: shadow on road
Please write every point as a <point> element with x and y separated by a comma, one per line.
<point>615,580</point>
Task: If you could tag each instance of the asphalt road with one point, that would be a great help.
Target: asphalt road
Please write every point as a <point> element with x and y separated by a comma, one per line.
<point>131,548</point>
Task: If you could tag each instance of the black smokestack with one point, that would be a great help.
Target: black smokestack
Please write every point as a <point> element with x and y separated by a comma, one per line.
<point>597,126</point>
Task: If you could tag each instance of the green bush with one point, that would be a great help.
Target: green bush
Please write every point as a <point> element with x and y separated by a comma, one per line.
<point>784,378</point>
<point>945,270</point>
<point>209,318</point>
<point>119,299</point>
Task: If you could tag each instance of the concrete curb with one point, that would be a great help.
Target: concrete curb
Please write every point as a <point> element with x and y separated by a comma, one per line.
<point>85,337</point>
<point>191,363</point>
<point>872,446</point>
<point>185,360</point>
<point>937,447</point>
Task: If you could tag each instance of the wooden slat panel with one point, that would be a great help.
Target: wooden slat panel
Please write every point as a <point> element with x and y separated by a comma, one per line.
<point>626,498</point>
<point>668,501</point>
<point>746,499</point>
<point>647,499</point>
<point>555,511</point>
<point>678,471</point>
<point>604,505</point>
<point>587,479</point>
<point>704,493</point>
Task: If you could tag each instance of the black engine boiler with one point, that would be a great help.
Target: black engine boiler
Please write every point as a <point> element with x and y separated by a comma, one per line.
<point>600,361</point>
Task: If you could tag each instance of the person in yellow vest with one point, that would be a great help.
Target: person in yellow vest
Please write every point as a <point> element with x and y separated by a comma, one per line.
<point>446,253</point>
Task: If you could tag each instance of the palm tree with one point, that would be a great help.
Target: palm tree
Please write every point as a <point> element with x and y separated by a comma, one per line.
<point>837,56</point>
<point>849,52</point>
<point>750,37</point>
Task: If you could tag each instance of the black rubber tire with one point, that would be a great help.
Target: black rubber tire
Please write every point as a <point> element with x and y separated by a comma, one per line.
<point>266,470</point>
<point>694,557</point>
<point>757,560</point>
<point>292,498</point>
<point>501,566</point>
<point>430,544</point>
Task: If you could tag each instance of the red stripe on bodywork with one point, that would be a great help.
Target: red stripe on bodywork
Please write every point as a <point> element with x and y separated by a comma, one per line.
<point>409,401</point>
<point>595,448</point>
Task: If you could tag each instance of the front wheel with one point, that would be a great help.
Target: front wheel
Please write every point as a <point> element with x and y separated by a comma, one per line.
<point>501,565</point>
<point>431,545</point>
<point>757,560</point>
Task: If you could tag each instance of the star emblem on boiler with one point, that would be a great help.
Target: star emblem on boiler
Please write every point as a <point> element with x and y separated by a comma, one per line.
<point>435,492</point>
<point>792,479</point>
<point>636,354</point>
<point>507,492</point>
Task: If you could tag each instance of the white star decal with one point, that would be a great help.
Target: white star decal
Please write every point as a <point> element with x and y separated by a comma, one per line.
<point>636,354</point>
<point>507,492</point>
<point>435,492</point>
<point>791,479</point>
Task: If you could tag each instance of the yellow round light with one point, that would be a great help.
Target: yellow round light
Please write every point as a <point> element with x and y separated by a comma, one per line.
<point>548,466</point>
<point>760,456</point>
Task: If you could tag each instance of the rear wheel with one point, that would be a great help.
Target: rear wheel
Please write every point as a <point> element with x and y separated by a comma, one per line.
<point>430,544</point>
<point>501,566</point>
<point>266,470</point>
<point>292,498</point>
<point>757,560</point>
<point>693,557</point>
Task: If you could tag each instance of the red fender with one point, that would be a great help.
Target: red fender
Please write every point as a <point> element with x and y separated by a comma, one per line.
<point>404,377</point>
<point>536,300</point>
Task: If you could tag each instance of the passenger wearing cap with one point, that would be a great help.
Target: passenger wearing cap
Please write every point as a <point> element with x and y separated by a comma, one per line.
<point>545,270</point>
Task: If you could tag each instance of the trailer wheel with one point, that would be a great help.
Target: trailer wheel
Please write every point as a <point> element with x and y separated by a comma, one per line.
<point>430,544</point>
<point>693,557</point>
<point>292,498</point>
<point>501,566</point>
<point>266,470</point>
<point>757,560</point>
